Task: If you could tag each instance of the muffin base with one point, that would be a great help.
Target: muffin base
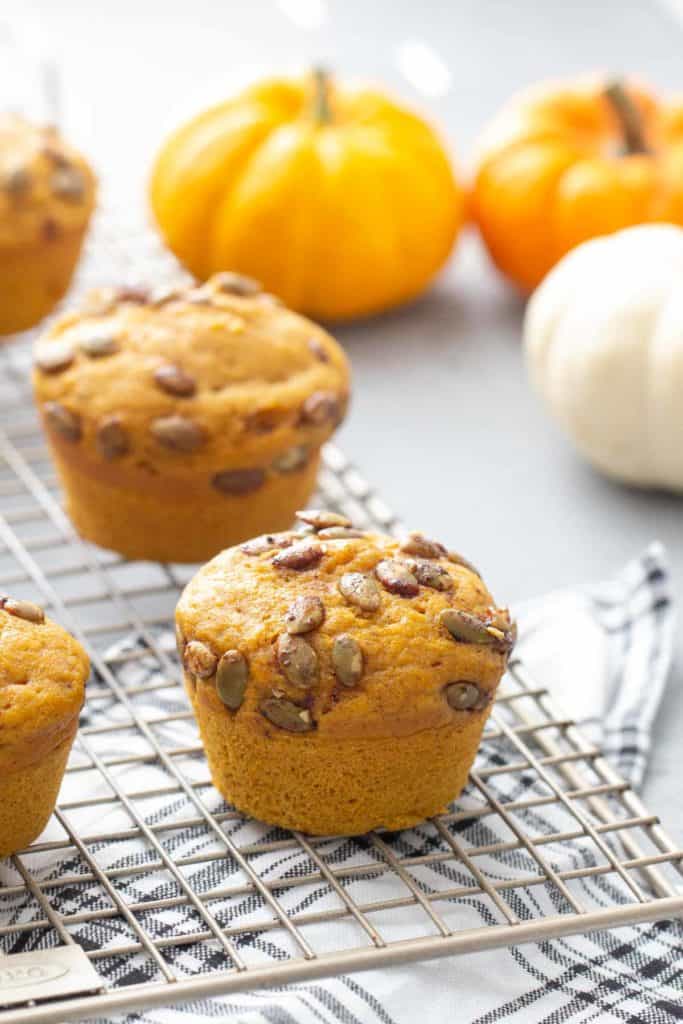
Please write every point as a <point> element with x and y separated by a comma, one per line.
<point>28,797</point>
<point>326,786</point>
<point>190,526</point>
<point>34,277</point>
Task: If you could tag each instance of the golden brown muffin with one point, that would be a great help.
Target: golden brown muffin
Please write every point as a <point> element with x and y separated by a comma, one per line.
<point>47,194</point>
<point>341,679</point>
<point>43,671</point>
<point>186,422</point>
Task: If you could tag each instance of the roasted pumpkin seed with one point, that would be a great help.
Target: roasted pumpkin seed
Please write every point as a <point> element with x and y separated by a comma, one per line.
<point>361,590</point>
<point>55,356</point>
<point>287,715</point>
<point>236,284</point>
<point>470,629</point>
<point>299,556</point>
<point>174,381</point>
<point>291,459</point>
<point>320,408</point>
<point>417,544</point>
<point>16,182</point>
<point>98,343</point>
<point>68,183</point>
<point>199,659</point>
<point>231,679</point>
<point>268,542</point>
<point>238,481</point>
<point>321,520</point>
<point>340,533</point>
<point>112,438</point>
<point>430,574</point>
<point>63,421</point>
<point>297,660</point>
<point>318,350</point>
<point>304,614</point>
<point>347,660</point>
<point>463,696</point>
<point>396,577</point>
<point>26,610</point>
<point>178,433</point>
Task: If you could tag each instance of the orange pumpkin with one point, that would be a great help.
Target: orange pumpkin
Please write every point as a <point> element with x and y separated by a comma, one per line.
<point>339,201</point>
<point>563,164</point>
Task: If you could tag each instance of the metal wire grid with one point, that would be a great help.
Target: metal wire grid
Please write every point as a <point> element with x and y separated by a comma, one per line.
<point>173,895</point>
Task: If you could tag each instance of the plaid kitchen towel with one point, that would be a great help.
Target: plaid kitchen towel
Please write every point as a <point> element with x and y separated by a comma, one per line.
<point>605,651</point>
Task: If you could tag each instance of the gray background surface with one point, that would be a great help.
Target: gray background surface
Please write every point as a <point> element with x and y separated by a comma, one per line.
<point>443,421</point>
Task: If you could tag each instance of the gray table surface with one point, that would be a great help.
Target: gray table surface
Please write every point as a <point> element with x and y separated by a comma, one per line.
<point>443,421</point>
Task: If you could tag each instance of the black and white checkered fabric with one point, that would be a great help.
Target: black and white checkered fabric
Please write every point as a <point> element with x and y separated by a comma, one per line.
<point>621,635</point>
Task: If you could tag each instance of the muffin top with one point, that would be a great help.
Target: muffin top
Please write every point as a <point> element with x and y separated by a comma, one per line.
<point>46,187</point>
<point>43,672</point>
<point>217,379</point>
<point>342,633</point>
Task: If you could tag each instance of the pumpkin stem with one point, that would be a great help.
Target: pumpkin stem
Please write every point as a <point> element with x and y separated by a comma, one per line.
<point>628,115</point>
<point>322,111</point>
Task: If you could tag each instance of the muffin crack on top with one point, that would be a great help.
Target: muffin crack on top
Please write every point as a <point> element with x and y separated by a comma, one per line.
<point>198,411</point>
<point>339,642</point>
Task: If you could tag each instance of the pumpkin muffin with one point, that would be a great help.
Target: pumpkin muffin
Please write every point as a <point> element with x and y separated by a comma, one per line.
<point>47,194</point>
<point>43,671</point>
<point>187,421</point>
<point>341,679</point>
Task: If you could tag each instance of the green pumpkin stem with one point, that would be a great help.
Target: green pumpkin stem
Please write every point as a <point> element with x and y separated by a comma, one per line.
<point>628,115</point>
<point>322,111</point>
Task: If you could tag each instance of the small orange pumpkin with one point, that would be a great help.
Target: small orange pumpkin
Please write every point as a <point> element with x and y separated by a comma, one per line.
<point>339,201</point>
<point>565,163</point>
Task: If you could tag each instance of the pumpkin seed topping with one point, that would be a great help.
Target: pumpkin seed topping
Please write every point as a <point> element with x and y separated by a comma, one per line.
<point>417,544</point>
<point>291,459</point>
<point>268,542</point>
<point>297,660</point>
<point>470,629</point>
<point>55,356</point>
<point>360,590</point>
<point>16,181</point>
<point>112,438</point>
<point>178,433</point>
<point>319,408</point>
<point>347,660</point>
<point>99,343</point>
<point>238,481</point>
<point>63,421</point>
<point>321,520</point>
<point>318,350</point>
<point>199,659</point>
<point>464,696</point>
<point>231,679</point>
<point>236,284</point>
<point>68,183</point>
<point>396,577</point>
<point>340,533</point>
<point>26,610</point>
<point>430,574</point>
<point>304,614</point>
<point>286,714</point>
<point>174,381</point>
<point>132,293</point>
<point>302,555</point>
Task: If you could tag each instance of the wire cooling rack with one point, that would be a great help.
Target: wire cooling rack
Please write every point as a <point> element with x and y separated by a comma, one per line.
<point>170,894</point>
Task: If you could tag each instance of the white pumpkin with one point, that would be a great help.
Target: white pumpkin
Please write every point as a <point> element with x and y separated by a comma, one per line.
<point>604,344</point>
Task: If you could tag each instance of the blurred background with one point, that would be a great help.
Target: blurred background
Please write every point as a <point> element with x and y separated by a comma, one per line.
<point>443,422</point>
